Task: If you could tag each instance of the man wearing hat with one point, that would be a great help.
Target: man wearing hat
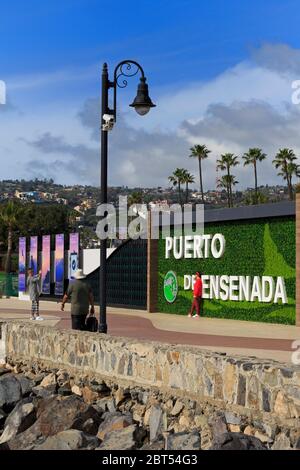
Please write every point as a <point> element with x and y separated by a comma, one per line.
<point>197,297</point>
<point>81,297</point>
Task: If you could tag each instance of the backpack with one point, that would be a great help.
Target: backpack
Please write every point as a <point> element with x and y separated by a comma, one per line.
<point>92,324</point>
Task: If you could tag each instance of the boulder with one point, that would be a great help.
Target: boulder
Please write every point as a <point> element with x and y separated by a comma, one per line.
<point>218,425</point>
<point>159,444</point>
<point>184,441</point>
<point>76,390</point>
<point>105,404</point>
<point>178,407</point>
<point>236,441</point>
<point>157,422</point>
<point>3,416</point>
<point>42,392</point>
<point>65,390</point>
<point>231,418</point>
<point>128,438</point>
<point>25,383</point>
<point>49,380</point>
<point>54,415</point>
<point>282,442</point>
<point>20,419</point>
<point>65,440</point>
<point>90,426</point>
<point>89,395</point>
<point>113,423</point>
<point>10,390</point>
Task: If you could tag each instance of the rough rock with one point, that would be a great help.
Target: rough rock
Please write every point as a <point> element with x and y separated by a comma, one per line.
<point>200,421</point>
<point>120,396</point>
<point>282,442</point>
<point>184,441</point>
<point>20,419</point>
<point>65,440</point>
<point>263,437</point>
<point>231,418</point>
<point>125,439</point>
<point>65,390</point>
<point>49,380</point>
<point>113,423</point>
<point>105,404</point>
<point>206,438</point>
<point>90,427</point>
<point>3,416</point>
<point>159,444</point>
<point>157,422</point>
<point>217,424</point>
<point>42,392</point>
<point>25,383</point>
<point>236,441</point>
<point>89,395</point>
<point>234,428</point>
<point>76,390</point>
<point>178,407</point>
<point>56,414</point>
<point>138,413</point>
<point>10,390</point>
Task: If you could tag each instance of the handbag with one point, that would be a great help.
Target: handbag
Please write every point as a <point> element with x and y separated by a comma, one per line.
<point>91,324</point>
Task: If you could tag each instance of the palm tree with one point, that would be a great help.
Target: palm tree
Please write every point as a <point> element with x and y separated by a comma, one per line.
<point>225,163</point>
<point>285,162</point>
<point>177,178</point>
<point>188,178</point>
<point>251,157</point>
<point>136,197</point>
<point>9,214</point>
<point>226,182</point>
<point>201,152</point>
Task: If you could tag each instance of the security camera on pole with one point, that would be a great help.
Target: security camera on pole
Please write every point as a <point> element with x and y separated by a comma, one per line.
<point>142,104</point>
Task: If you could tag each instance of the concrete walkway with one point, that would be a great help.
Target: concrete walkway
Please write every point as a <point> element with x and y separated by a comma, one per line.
<point>262,340</point>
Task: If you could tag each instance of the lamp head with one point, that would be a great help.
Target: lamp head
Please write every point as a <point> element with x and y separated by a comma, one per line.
<point>142,102</point>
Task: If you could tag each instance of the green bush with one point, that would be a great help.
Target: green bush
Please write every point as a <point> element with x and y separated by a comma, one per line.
<point>253,248</point>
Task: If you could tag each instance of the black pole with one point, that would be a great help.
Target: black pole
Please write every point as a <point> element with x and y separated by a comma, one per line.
<point>103,200</point>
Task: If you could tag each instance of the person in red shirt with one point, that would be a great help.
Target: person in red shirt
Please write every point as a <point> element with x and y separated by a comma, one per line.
<point>197,297</point>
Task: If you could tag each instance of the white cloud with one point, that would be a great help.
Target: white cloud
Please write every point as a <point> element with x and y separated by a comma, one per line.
<point>248,105</point>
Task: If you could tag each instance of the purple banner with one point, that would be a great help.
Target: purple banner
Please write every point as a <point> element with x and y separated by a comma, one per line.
<point>22,264</point>
<point>46,265</point>
<point>59,264</point>
<point>33,260</point>
<point>73,254</point>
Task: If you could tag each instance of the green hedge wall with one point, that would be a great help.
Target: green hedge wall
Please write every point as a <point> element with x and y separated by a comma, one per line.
<point>253,248</point>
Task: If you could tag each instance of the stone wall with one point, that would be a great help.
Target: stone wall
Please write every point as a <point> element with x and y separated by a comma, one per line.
<point>247,386</point>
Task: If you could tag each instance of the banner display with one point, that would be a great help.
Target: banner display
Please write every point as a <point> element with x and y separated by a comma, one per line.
<point>73,254</point>
<point>33,260</point>
<point>59,264</point>
<point>22,264</point>
<point>46,264</point>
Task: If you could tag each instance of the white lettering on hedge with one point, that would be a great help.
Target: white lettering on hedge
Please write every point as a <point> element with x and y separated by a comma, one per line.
<point>195,246</point>
<point>241,288</point>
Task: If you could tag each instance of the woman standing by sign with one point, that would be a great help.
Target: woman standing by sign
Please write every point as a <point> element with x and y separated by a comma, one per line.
<point>197,297</point>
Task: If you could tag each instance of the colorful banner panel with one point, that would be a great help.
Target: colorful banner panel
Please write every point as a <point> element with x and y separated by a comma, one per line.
<point>22,264</point>
<point>59,264</point>
<point>33,260</point>
<point>46,264</point>
<point>73,254</point>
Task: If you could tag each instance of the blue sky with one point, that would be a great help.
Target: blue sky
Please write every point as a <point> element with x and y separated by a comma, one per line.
<point>210,66</point>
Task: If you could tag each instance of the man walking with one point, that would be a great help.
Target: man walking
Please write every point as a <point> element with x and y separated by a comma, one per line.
<point>81,297</point>
<point>33,286</point>
<point>197,297</point>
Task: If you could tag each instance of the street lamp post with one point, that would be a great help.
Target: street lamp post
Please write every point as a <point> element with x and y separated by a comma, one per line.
<point>142,104</point>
